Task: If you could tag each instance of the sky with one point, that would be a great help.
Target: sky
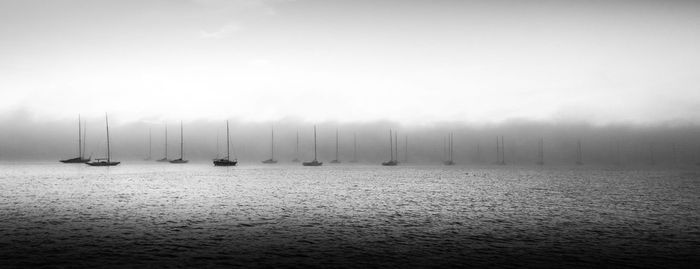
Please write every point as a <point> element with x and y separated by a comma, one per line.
<point>411,62</point>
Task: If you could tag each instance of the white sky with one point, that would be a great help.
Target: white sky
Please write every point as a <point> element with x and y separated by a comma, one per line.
<point>405,61</point>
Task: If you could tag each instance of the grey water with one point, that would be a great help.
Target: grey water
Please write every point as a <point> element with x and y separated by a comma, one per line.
<point>194,215</point>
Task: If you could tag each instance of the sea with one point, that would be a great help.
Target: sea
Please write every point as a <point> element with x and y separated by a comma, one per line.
<point>154,215</point>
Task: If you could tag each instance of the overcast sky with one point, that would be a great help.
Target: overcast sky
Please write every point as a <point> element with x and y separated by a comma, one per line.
<point>407,61</point>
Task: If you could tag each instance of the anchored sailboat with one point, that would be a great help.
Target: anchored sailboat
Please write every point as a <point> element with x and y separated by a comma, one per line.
<point>315,162</point>
<point>165,157</point>
<point>81,148</point>
<point>226,161</point>
<point>108,161</point>
<point>392,161</point>
<point>336,148</point>
<point>272,149</point>
<point>182,147</point>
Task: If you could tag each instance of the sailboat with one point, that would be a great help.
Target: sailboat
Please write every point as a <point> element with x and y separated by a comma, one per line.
<point>81,148</point>
<point>450,152</point>
<point>336,148</point>
<point>354,152</point>
<point>296,159</point>
<point>315,162</point>
<point>392,161</point>
<point>541,152</point>
<point>182,147</point>
<point>226,161</point>
<point>108,161</point>
<point>165,157</point>
<point>272,148</point>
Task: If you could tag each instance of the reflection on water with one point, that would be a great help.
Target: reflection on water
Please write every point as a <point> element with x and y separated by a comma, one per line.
<point>197,214</point>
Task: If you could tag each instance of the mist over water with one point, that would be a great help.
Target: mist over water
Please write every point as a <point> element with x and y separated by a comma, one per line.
<point>26,138</point>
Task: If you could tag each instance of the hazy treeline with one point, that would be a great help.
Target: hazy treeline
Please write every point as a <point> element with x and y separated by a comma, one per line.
<point>25,138</point>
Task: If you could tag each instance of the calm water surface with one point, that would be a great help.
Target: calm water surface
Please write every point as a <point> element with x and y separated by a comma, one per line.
<point>149,214</point>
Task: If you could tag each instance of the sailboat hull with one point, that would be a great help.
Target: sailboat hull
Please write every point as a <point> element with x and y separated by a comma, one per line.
<point>390,163</point>
<point>312,163</point>
<point>179,161</point>
<point>224,162</point>
<point>448,163</point>
<point>103,163</point>
<point>75,160</point>
<point>335,161</point>
<point>269,161</point>
<point>164,160</point>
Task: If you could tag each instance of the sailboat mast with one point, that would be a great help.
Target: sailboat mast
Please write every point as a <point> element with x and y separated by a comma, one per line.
<point>182,142</point>
<point>498,151</point>
<point>391,145</point>
<point>84,138</point>
<point>451,147</point>
<point>166,141</point>
<point>228,147</point>
<point>80,140</point>
<point>354,152</point>
<point>396,145</point>
<point>109,158</point>
<point>315,158</point>
<point>297,152</point>
<point>579,154</point>
<point>149,142</point>
<point>405,152</point>
<point>503,151</point>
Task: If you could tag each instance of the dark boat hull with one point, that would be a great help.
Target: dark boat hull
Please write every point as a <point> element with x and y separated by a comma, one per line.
<point>164,160</point>
<point>224,162</point>
<point>312,163</point>
<point>390,163</point>
<point>75,160</point>
<point>103,163</point>
<point>448,163</point>
<point>269,161</point>
<point>179,161</point>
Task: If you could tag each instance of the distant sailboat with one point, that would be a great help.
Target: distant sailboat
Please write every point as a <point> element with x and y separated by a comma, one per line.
<point>165,157</point>
<point>336,148</point>
<point>315,162</point>
<point>272,148</point>
<point>81,147</point>
<point>354,152</point>
<point>108,161</point>
<point>450,152</point>
<point>226,161</point>
<point>182,148</point>
<point>540,155</point>
<point>296,158</point>
<point>392,161</point>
